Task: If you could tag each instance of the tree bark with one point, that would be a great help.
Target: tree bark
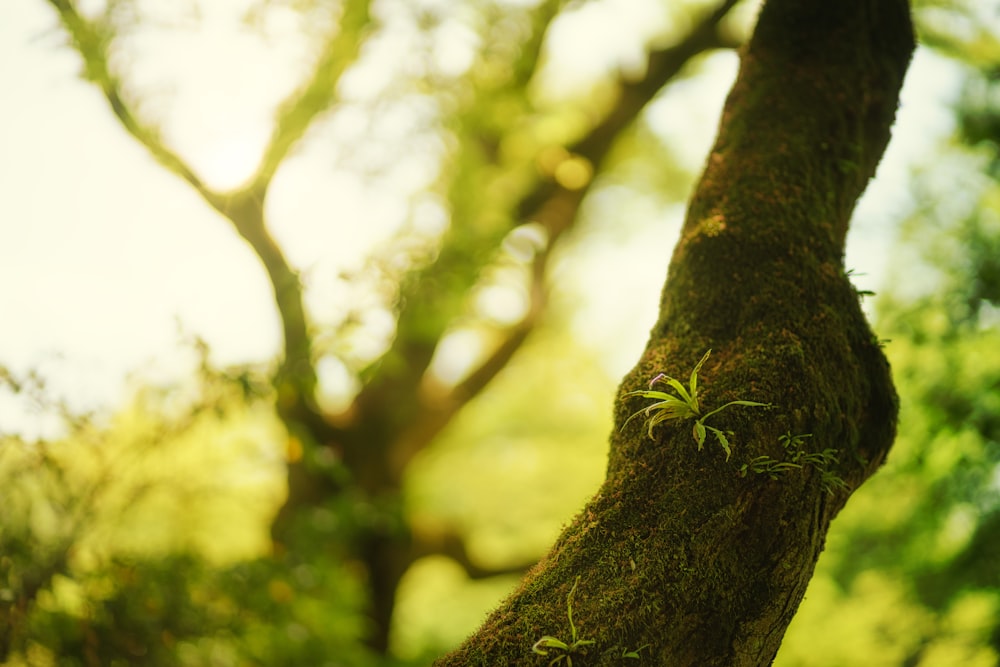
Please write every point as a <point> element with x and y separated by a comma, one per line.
<point>687,556</point>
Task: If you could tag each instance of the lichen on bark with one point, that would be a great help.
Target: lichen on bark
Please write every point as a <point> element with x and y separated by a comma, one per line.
<point>677,553</point>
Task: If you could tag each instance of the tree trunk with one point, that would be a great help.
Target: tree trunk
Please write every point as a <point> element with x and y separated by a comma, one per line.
<point>687,556</point>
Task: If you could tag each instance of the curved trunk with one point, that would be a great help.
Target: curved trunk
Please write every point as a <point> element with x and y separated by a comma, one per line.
<point>689,556</point>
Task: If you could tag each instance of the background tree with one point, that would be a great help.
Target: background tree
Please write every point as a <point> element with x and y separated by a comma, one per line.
<point>512,189</point>
<point>304,606</point>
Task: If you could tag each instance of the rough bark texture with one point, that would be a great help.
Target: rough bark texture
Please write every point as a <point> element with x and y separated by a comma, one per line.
<point>680,558</point>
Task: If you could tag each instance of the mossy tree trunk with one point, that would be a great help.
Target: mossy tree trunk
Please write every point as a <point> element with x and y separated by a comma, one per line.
<point>686,556</point>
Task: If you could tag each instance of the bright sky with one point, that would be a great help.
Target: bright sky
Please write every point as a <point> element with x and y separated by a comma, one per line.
<point>102,253</point>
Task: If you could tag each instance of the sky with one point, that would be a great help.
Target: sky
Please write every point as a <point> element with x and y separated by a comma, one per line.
<point>106,260</point>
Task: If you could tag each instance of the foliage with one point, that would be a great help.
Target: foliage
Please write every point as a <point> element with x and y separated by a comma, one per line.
<point>910,568</point>
<point>117,539</point>
<point>179,609</point>
<point>97,523</point>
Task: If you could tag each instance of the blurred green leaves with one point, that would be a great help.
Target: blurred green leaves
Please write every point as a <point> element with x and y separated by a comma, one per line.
<point>142,538</point>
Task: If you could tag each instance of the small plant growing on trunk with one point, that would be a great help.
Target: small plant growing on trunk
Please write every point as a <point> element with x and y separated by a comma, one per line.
<point>685,405</point>
<point>566,650</point>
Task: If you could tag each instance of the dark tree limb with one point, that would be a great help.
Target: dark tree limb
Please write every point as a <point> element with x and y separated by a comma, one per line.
<point>662,66</point>
<point>439,408</point>
<point>680,553</point>
<point>451,544</point>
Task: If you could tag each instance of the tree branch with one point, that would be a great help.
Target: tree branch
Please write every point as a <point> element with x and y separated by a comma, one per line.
<point>437,410</point>
<point>555,206</point>
<point>90,40</point>
<point>661,67</point>
<point>296,379</point>
<point>481,376</point>
<point>244,208</point>
<point>433,295</point>
<point>296,114</point>
<point>452,545</point>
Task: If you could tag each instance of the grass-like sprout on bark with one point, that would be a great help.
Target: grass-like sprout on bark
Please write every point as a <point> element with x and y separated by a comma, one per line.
<point>542,646</point>
<point>684,405</point>
<point>796,458</point>
<point>634,655</point>
<point>765,465</point>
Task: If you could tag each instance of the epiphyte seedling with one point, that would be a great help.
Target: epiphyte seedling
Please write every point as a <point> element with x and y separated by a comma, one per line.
<point>634,655</point>
<point>797,457</point>
<point>566,650</point>
<point>685,405</point>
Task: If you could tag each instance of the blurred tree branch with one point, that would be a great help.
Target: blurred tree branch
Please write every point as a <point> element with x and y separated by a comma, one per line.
<point>662,65</point>
<point>244,207</point>
<point>91,39</point>
<point>452,544</point>
<point>553,205</point>
<point>296,114</point>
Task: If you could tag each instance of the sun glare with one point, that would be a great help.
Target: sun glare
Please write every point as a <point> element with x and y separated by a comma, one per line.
<point>229,162</point>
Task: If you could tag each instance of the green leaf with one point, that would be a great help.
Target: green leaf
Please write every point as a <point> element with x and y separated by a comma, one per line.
<point>723,440</point>
<point>752,404</point>
<point>683,393</point>
<point>683,406</point>
<point>693,382</point>
<point>699,434</point>
<point>650,393</point>
<point>634,655</point>
<point>548,641</point>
